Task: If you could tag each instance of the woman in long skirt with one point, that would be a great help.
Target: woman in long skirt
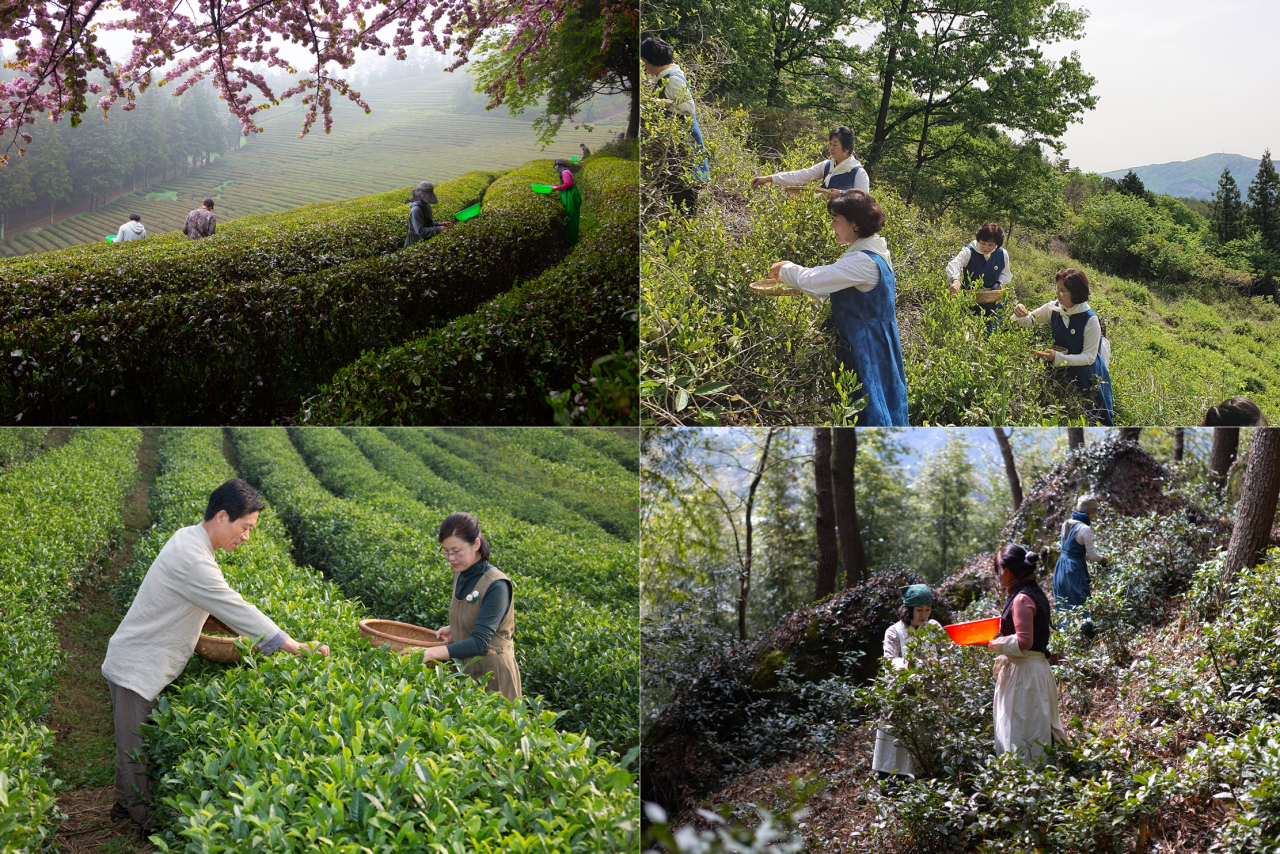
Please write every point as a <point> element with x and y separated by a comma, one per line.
<point>1026,696</point>
<point>891,757</point>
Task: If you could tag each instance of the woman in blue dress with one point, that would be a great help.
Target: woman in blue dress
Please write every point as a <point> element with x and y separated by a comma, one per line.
<point>672,89</point>
<point>860,286</point>
<point>1081,348</point>
<point>1071,582</point>
<point>841,172</point>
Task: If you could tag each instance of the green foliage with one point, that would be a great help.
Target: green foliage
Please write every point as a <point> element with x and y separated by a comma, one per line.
<point>1264,203</point>
<point>498,364</point>
<point>244,351</point>
<point>59,513</point>
<point>606,397</point>
<point>1228,210</point>
<point>364,750</point>
<point>379,545</point>
<point>620,446</point>
<point>20,443</point>
<point>1131,185</point>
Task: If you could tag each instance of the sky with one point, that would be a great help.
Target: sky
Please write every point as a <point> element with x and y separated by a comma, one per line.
<point>1176,80</point>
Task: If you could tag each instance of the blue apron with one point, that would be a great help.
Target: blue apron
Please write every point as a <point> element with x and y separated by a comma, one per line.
<point>985,273</point>
<point>703,170</point>
<point>1071,586</point>
<point>843,181</point>
<point>1071,336</point>
<point>868,331</point>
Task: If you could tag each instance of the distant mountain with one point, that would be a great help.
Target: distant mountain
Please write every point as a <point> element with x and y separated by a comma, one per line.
<point>1196,178</point>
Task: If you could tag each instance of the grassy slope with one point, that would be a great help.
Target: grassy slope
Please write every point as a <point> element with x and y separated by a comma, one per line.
<point>412,135</point>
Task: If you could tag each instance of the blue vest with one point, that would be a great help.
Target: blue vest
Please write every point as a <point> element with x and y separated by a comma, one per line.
<point>868,323</point>
<point>1071,583</point>
<point>985,272</point>
<point>1070,334</point>
<point>840,182</point>
<point>702,171</point>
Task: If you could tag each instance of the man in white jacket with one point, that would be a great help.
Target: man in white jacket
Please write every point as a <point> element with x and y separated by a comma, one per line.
<point>131,230</point>
<point>153,642</point>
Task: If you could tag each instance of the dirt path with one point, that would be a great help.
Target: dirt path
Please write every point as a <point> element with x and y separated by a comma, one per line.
<point>84,745</point>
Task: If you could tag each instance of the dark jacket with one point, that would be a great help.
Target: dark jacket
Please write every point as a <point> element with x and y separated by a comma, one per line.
<point>421,225</point>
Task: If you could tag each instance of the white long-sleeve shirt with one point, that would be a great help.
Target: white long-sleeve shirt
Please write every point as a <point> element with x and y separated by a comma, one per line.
<point>1084,536</point>
<point>183,586</point>
<point>676,90</point>
<point>852,270</point>
<point>956,267</point>
<point>800,177</point>
<point>1095,344</point>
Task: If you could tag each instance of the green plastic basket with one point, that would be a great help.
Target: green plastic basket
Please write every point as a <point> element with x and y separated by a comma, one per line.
<point>468,213</point>
<point>111,238</point>
<point>545,189</point>
<point>574,159</point>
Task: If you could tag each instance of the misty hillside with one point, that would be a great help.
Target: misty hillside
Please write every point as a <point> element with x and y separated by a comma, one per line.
<point>1195,178</point>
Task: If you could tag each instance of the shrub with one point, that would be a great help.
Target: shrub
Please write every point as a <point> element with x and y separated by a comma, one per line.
<point>362,751</point>
<point>246,352</point>
<point>496,366</point>
<point>301,240</point>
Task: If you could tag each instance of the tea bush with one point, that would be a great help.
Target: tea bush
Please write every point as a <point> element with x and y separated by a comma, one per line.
<point>498,364</point>
<point>583,658</point>
<point>302,240</point>
<point>59,513</point>
<point>622,450</point>
<point>364,750</point>
<point>19,443</point>
<point>248,351</point>
<point>611,505</point>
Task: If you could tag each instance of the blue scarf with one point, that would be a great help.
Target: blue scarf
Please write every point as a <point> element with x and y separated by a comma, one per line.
<point>1077,516</point>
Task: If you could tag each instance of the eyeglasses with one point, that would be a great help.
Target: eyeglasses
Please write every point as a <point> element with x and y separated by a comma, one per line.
<point>452,553</point>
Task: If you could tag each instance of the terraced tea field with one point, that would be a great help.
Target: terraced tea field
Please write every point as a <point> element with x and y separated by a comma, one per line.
<point>364,750</point>
<point>412,135</point>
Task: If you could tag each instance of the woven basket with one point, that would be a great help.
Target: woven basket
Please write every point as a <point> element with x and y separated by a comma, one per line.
<point>797,192</point>
<point>987,296</point>
<point>221,650</point>
<point>774,288</point>
<point>398,636</point>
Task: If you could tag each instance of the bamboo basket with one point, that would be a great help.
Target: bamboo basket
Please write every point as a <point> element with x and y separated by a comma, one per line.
<point>797,192</point>
<point>987,296</point>
<point>774,288</point>
<point>398,636</point>
<point>221,650</point>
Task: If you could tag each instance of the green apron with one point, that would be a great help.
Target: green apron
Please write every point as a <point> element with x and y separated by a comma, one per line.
<point>572,201</point>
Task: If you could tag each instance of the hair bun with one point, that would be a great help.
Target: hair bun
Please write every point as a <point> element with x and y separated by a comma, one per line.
<point>1032,559</point>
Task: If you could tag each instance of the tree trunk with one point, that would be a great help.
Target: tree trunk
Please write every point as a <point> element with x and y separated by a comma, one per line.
<point>744,585</point>
<point>1130,434</point>
<point>1010,470</point>
<point>886,92</point>
<point>1256,512</point>
<point>1075,438</point>
<point>1225,442</point>
<point>843,458</point>
<point>633,121</point>
<point>1179,440</point>
<point>825,521</point>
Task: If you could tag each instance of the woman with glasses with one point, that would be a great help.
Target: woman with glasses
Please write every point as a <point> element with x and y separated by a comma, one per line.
<point>482,614</point>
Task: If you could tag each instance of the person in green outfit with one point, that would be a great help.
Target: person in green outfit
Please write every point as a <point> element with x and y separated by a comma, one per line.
<point>571,199</point>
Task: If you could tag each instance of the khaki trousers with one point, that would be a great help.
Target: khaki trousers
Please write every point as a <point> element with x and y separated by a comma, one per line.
<point>131,711</point>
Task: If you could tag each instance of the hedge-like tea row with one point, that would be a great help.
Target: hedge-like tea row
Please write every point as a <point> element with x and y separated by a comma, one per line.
<point>603,572</point>
<point>624,451</point>
<point>603,492</point>
<point>364,751</point>
<point>58,514</point>
<point>302,240</point>
<point>18,443</point>
<point>496,366</point>
<point>583,659</point>
<point>522,503</point>
<point>248,352</point>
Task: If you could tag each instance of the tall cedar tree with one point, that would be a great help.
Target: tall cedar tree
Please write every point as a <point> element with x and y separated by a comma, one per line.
<point>1264,202</point>
<point>844,458</point>
<point>825,517</point>
<point>1131,185</point>
<point>1256,511</point>
<point>1227,209</point>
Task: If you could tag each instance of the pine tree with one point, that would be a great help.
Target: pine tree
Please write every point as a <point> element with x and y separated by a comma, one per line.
<point>1131,185</point>
<point>1227,209</point>
<point>1264,202</point>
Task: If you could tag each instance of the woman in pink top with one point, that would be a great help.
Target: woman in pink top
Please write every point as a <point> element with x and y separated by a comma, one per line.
<point>1026,696</point>
<point>571,199</point>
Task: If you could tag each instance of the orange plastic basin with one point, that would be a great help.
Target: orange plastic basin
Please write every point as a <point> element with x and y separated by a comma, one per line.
<point>979,631</point>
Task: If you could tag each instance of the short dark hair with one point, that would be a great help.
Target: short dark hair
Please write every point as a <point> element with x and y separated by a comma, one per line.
<point>991,232</point>
<point>655,51</point>
<point>859,208</point>
<point>561,163</point>
<point>906,612</point>
<point>845,135</point>
<point>235,496</point>
<point>1076,282</point>
<point>465,527</point>
<point>1019,560</point>
<point>1236,412</point>
<point>135,217</point>
<point>208,203</point>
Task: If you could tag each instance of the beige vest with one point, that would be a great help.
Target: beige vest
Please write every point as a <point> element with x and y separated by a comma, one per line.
<point>501,658</point>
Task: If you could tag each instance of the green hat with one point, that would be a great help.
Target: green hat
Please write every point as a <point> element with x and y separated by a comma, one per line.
<point>917,595</point>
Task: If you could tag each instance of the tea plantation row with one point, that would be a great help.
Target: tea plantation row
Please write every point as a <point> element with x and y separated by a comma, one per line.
<point>59,513</point>
<point>365,750</point>
<point>496,365</point>
<point>377,541</point>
